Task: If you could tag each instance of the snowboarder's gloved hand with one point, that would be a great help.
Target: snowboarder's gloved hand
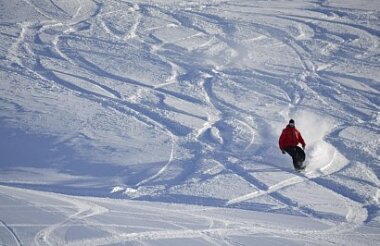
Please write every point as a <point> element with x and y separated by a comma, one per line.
<point>303,147</point>
<point>283,151</point>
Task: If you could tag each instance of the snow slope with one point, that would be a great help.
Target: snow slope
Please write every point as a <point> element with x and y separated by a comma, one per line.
<point>156,122</point>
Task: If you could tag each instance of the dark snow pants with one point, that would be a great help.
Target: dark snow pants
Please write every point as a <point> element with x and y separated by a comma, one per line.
<point>297,154</point>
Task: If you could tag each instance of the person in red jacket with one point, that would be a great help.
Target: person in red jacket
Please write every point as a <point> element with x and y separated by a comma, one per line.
<point>288,142</point>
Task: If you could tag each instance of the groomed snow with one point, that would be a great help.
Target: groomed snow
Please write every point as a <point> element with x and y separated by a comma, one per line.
<point>128,122</point>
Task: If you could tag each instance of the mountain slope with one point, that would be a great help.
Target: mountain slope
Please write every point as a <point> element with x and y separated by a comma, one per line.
<point>183,102</point>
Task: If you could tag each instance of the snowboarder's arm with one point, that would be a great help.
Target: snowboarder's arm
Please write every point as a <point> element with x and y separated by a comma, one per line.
<point>281,141</point>
<point>300,140</point>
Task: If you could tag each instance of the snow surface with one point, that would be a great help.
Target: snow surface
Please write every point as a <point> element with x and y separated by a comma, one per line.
<point>128,122</point>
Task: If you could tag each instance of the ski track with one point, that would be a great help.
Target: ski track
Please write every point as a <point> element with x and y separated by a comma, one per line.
<point>37,9</point>
<point>12,233</point>
<point>218,110</point>
<point>84,210</point>
<point>87,211</point>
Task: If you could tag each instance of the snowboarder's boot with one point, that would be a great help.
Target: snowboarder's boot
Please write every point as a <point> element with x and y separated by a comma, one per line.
<point>300,166</point>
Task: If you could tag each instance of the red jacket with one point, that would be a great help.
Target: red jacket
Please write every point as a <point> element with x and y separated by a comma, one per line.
<point>290,137</point>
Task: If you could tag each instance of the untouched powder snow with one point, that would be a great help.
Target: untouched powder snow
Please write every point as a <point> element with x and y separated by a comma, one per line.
<point>128,122</point>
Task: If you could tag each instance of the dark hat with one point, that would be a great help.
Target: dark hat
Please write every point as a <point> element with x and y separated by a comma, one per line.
<point>291,121</point>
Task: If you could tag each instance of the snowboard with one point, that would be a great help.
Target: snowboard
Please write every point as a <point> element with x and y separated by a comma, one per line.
<point>300,156</point>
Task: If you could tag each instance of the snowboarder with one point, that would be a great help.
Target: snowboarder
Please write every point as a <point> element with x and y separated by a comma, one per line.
<point>288,142</point>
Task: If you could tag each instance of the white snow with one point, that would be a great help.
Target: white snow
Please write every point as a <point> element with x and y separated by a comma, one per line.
<point>126,122</point>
